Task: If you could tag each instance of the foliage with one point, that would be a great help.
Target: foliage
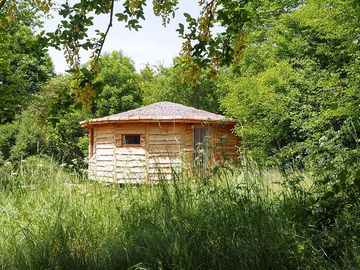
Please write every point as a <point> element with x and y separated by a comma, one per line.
<point>296,97</point>
<point>24,63</point>
<point>221,47</point>
<point>119,85</point>
<point>202,45</point>
<point>32,137</point>
<point>166,84</point>
<point>52,219</point>
<point>299,83</point>
<point>7,139</point>
<point>50,125</point>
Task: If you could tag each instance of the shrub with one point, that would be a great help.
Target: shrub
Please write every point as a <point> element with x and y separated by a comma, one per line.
<point>8,134</point>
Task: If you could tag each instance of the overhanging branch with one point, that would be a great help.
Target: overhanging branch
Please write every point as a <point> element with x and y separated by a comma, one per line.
<point>107,30</point>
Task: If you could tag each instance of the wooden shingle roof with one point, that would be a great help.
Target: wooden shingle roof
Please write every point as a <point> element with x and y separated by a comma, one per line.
<point>161,111</point>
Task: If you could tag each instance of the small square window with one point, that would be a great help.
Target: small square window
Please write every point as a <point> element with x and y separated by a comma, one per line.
<point>132,139</point>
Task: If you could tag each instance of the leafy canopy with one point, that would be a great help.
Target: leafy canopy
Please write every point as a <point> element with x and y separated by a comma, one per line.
<point>202,45</point>
<point>167,84</point>
<point>118,85</point>
<point>24,63</point>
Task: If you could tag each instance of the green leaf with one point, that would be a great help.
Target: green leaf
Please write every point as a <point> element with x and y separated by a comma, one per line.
<point>121,17</point>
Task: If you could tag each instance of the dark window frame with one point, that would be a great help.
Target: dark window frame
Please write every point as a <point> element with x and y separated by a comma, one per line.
<point>124,139</point>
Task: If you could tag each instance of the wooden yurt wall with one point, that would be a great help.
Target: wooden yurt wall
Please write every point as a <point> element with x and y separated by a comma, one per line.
<point>163,148</point>
<point>225,143</point>
<point>168,146</point>
<point>101,162</point>
<point>111,161</point>
<point>130,161</point>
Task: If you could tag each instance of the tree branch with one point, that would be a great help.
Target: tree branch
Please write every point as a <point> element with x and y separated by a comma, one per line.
<point>107,30</point>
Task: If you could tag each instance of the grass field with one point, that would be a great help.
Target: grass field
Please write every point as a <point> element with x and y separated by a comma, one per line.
<point>52,219</point>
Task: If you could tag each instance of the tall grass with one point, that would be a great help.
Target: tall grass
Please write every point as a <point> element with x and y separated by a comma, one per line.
<point>52,219</point>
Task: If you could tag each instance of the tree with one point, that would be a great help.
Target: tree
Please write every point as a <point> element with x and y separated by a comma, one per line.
<point>205,43</point>
<point>49,126</point>
<point>24,63</point>
<point>201,46</point>
<point>50,123</point>
<point>296,97</point>
<point>118,85</point>
<point>296,87</point>
<point>199,40</point>
<point>168,84</point>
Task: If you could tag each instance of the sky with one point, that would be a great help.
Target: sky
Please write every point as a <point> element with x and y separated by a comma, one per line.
<point>153,44</point>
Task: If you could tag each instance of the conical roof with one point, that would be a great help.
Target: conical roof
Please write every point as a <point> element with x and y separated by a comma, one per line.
<point>161,111</point>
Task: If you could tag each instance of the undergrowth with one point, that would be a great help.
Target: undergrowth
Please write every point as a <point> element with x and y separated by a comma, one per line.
<point>53,219</point>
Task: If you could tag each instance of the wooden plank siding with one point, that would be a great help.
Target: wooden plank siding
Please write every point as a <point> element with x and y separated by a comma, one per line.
<point>224,143</point>
<point>165,141</point>
<point>164,147</point>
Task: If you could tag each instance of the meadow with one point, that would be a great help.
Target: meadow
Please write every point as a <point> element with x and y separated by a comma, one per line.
<point>52,218</point>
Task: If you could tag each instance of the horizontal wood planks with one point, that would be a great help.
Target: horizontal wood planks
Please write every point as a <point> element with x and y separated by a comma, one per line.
<point>225,142</point>
<point>101,164</point>
<point>163,149</point>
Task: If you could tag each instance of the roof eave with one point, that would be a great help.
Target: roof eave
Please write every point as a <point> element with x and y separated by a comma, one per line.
<point>88,123</point>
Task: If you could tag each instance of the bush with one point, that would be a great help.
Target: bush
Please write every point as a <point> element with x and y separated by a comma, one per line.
<point>8,134</point>
<point>32,137</point>
<point>41,130</point>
